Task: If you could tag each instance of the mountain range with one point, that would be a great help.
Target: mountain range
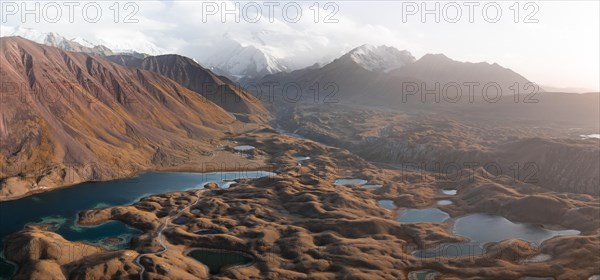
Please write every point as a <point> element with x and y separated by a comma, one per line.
<point>433,84</point>
<point>248,62</point>
<point>127,112</point>
<point>79,44</point>
<point>68,117</point>
<point>230,58</point>
<point>385,75</point>
<point>238,62</point>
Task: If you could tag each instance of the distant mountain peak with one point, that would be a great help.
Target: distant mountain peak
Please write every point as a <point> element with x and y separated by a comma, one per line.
<point>380,58</point>
<point>435,56</point>
<point>83,42</point>
<point>235,60</point>
<point>55,40</point>
<point>138,45</point>
<point>79,44</point>
<point>46,38</point>
<point>440,60</point>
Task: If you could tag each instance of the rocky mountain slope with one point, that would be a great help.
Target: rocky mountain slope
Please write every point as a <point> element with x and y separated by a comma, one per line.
<point>386,76</point>
<point>70,117</point>
<point>191,75</point>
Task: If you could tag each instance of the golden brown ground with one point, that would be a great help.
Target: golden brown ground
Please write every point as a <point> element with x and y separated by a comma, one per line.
<point>298,225</point>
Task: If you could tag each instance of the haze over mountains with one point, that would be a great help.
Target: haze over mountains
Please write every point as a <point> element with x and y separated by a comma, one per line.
<point>231,58</point>
<point>237,61</point>
<point>380,75</point>
<point>192,103</point>
<point>247,62</point>
<point>381,58</point>
<point>384,76</point>
<point>69,117</point>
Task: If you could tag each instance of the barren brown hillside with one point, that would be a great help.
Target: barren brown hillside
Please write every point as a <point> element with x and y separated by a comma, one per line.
<point>72,117</point>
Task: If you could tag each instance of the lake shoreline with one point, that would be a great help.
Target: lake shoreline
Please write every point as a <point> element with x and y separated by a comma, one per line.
<point>177,169</point>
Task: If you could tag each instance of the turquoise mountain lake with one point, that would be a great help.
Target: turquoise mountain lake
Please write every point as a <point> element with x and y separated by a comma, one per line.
<point>218,260</point>
<point>481,229</point>
<point>60,207</point>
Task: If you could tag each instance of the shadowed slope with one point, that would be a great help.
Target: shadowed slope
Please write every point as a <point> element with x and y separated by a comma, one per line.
<point>191,75</point>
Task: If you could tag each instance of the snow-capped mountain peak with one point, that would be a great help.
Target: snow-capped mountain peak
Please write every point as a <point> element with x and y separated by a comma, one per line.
<point>83,42</point>
<point>79,44</point>
<point>46,38</point>
<point>380,58</point>
<point>237,61</point>
<point>139,45</point>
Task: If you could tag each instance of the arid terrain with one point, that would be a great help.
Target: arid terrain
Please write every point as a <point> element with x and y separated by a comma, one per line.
<point>73,117</point>
<point>554,156</point>
<point>528,164</point>
<point>298,225</point>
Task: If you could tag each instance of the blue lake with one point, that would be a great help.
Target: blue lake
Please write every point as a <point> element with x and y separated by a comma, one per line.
<point>343,182</point>
<point>451,250</point>
<point>484,228</point>
<point>424,215</point>
<point>243,148</point>
<point>301,158</point>
<point>481,229</point>
<point>425,274</point>
<point>217,260</point>
<point>444,202</point>
<point>449,191</point>
<point>387,204</point>
<point>59,208</point>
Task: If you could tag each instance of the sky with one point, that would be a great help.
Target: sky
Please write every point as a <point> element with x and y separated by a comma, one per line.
<point>553,43</point>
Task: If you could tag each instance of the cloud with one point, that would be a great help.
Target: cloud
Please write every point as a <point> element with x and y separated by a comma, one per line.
<point>561,49</point>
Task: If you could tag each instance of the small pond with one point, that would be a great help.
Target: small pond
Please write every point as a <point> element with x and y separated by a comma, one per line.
<point>424,274</point>
<point>444,202</point>
<point>481,229</point>
<point>387,204</point>
<point>243,148</point>
<point>219,260</point>
<point>451,250</point>
<point>209,231</point>
<point>449,191</point>
<point>538,258</point>
<point>484,228</point>
<point>111,235</point>
<point>344,182</point>
<point>425,215</point>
